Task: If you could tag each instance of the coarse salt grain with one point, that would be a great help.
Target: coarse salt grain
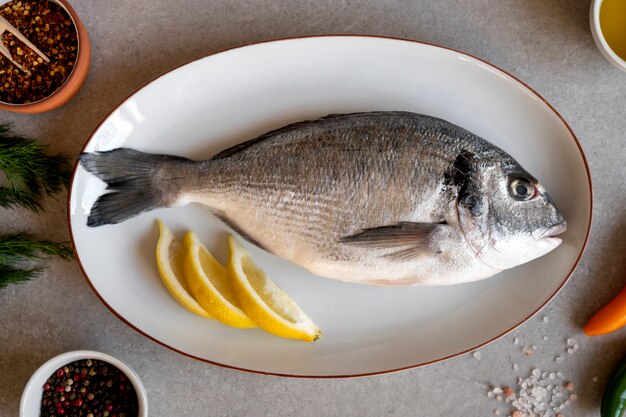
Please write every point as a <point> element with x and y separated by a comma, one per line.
<point>538,395</point>
<point>558,359</point>
<point>539,392</point>
<point>477,355</point>
<point>545,319</point>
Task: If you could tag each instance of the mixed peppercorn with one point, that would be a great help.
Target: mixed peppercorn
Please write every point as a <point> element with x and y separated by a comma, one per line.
<point>49,28</point>
<point>89,388</point>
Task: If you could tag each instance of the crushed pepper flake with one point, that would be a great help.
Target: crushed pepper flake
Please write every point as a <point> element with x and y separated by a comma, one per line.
<point>47,30</point>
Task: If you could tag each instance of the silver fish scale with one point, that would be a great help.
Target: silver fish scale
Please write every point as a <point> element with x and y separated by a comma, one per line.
<point>298,190</point>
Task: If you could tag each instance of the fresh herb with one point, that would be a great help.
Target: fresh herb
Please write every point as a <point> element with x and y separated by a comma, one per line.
<point>17,250</point>
<point>29,172</point>
<point>29,175</point>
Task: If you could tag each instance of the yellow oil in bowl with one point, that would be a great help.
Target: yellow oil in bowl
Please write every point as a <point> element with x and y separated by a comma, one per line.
<point>613,25</point>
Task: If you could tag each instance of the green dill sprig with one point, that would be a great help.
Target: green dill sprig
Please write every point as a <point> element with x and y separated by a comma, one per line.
<point>20,248</point>
<point>10,275</point>
<point>30,173</point>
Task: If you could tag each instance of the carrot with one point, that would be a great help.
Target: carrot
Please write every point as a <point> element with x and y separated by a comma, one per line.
<point>609,318</point>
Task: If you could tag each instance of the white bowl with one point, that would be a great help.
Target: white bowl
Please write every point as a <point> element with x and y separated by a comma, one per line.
<point>598,36</point>
<point>216,102</point>
<point>30,405</point>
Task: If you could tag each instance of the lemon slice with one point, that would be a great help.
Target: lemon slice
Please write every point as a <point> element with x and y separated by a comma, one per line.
<point>169,255</point>
<point>264,301</point>
<point>209,286</point>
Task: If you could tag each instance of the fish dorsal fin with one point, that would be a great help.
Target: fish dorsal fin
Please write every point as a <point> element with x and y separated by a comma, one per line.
<point>406,239</point>
<point>291,127</point>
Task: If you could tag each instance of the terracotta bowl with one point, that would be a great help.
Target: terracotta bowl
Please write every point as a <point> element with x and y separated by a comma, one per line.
<point>74,82</point>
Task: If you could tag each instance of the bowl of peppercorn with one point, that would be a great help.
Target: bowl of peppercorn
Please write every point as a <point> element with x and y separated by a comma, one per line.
<point>84,383</point>
<point>45,55</point>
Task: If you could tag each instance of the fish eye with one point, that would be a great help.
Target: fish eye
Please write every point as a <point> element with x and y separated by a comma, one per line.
<point>522,189</point>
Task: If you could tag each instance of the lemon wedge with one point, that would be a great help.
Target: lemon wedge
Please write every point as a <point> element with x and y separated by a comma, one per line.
<point>208,284</point>
<point>264,301</point>
<point>169,255</point>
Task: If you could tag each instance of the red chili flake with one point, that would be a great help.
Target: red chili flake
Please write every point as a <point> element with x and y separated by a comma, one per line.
<point>49,28</point>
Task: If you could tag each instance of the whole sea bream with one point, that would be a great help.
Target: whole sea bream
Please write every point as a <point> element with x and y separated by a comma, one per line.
<point>384,198</point>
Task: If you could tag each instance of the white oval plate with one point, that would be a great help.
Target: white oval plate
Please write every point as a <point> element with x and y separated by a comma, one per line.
<point>221,100</point>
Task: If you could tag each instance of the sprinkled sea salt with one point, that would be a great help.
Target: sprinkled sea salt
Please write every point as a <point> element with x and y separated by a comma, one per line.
<point>477,355</point>
<point>539,394</point>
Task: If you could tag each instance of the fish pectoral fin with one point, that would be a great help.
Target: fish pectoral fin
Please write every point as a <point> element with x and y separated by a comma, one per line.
<point>409,240</point>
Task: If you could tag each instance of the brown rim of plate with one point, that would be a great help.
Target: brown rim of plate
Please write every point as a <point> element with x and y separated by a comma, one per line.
<point>569,274</point>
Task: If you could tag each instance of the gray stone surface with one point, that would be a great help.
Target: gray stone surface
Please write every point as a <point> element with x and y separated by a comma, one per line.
<point>546,43</point>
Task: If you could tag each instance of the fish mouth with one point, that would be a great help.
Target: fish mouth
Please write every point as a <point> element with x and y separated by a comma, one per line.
<point>549,233</point>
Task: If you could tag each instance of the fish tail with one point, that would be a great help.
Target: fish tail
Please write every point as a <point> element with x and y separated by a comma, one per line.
<point>133,179</point>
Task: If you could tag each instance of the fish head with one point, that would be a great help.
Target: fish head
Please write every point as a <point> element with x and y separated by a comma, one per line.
<point>506,215</point>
